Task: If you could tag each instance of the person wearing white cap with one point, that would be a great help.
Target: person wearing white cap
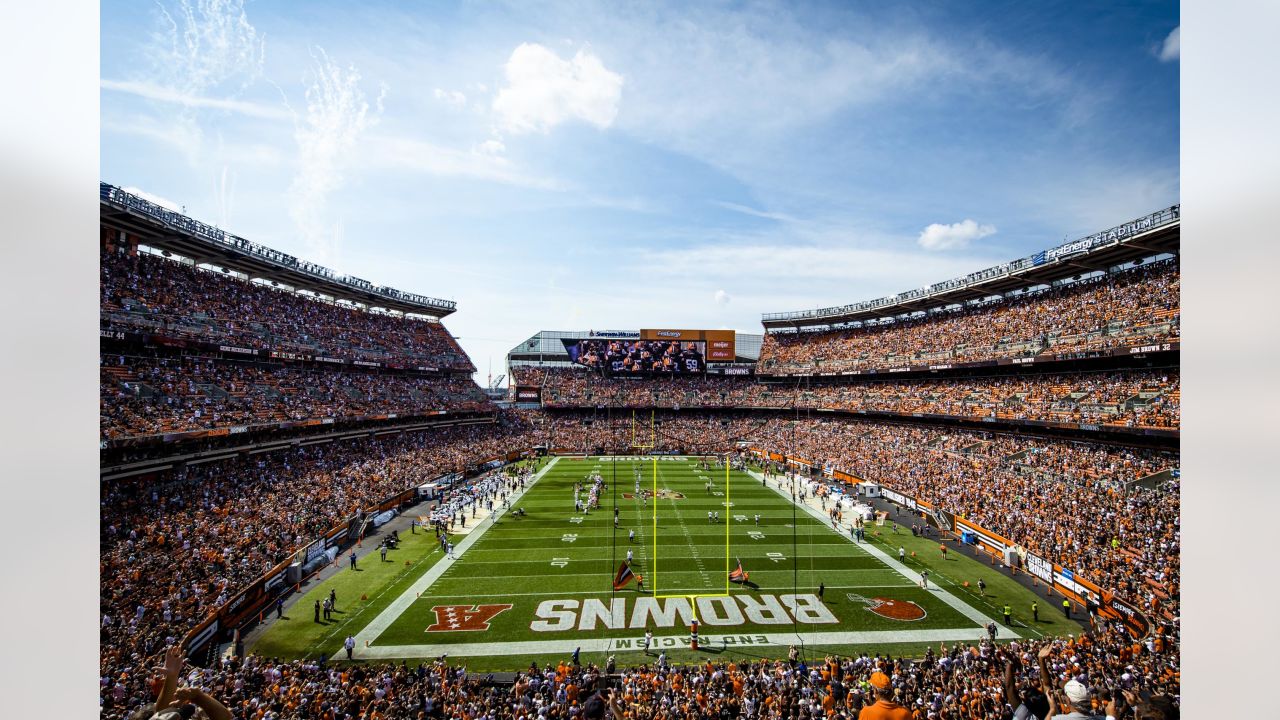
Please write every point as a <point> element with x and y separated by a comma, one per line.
<point>1075,700</point>
<point>1074,696</point>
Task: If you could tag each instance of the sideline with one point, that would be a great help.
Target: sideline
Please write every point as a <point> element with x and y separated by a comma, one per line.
<point>956,603</point>
<point>680,642</point>
<point>267,620</point>
<point>398,606</point>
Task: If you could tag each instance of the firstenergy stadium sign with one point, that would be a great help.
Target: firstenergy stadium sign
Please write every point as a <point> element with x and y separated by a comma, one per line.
<point>647,612</point>
<point>721,344</point>
<point>1116,233</point>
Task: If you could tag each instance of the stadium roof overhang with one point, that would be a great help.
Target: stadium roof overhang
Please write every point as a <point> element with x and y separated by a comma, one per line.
<point>166,230</point>
<point>1020,275</point>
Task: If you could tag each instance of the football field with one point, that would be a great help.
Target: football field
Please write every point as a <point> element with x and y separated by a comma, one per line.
<point>536,585</point>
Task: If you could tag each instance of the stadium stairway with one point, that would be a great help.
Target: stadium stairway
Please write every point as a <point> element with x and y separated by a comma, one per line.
<point>1144,397</point>
<point>1152,481</point>
<point>124,378</point>
<point>1015,459</point>
<point>212,390</point>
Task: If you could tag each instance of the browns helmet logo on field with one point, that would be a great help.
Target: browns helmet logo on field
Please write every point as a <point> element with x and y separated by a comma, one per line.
<point>903,610</point>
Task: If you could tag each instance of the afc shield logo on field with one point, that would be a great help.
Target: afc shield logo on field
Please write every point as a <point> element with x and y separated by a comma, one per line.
<point>464,618</point>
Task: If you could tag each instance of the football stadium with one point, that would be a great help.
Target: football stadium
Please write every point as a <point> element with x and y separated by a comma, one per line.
<point>958,500</point>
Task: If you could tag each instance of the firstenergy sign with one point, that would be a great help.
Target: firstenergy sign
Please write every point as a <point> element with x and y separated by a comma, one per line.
<point>649,612</point>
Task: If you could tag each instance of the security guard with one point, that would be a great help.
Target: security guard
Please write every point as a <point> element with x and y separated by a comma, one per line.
<point>1008,614</point>
<point>1035,611</point>
<point>1066,608</point>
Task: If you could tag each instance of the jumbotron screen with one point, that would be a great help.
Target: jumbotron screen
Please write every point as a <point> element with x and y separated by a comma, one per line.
<point>640,357</point>
<point>673,352</point>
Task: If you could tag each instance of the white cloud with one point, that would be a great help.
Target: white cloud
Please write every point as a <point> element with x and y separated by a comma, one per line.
<point>724,85</point>
<point>889,270</point>
<point>630,203</point>
<point>491,147</point>
<point>161,201</point>
<point>452,98</point>
<point>955,235</point>
<point>722,297</point>
<point>780,217</point>
<point>337,114</point>
<point>485,162</point>
<point>1172,48</point>
<point>151,91</point>
<point>543,90</point>
<point>179,136</point>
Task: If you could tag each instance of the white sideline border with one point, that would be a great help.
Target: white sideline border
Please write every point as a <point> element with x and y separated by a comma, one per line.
<point>670,642</point>
<point>390,613</point>
<point>959,605</point>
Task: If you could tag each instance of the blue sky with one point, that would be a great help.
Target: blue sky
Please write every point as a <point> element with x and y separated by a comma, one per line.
<point>603,165</point>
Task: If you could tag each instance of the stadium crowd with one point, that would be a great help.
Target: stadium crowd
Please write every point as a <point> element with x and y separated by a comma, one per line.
<point>177,545</point>
<point>1101,672</point>
<point>1073,503</point>
<point>151,395</point>
<point>1135,307</point>
<point>147,293</point>
<point>175,548</point>
<point>1126,398</point>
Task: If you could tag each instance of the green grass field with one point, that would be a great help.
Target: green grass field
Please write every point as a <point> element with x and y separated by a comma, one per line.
<point>534,587</point>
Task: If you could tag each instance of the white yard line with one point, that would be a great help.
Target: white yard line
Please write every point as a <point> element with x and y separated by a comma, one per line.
<point>684,528</point>
<point>589,556</point>
<point>959,605</point>
<point>673,642</point>
<point>397,607</point>
<point>623,593</point>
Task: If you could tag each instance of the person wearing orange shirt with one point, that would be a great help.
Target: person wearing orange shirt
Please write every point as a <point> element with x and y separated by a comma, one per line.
<point>884,708</point>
